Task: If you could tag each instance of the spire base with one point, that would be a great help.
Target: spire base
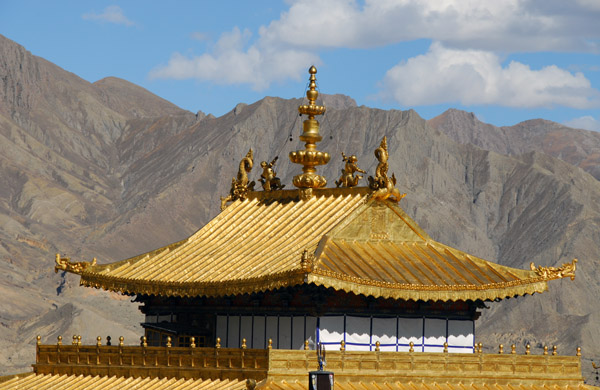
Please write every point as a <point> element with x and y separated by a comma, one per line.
<point>310,180</point>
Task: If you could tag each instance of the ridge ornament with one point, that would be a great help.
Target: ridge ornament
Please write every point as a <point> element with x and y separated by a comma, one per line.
<point>268,178</point>
<point>383,186</point>
<point>348,179</point>
<point>310,157</point>
<point>240,185</point>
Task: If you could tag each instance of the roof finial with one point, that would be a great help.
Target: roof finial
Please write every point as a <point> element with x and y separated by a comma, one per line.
<point>310,157</point>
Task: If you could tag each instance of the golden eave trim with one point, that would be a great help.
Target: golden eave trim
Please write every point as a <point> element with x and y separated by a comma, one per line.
<point>320,277</point>
<point>193,289</point>
<point>407,291</point>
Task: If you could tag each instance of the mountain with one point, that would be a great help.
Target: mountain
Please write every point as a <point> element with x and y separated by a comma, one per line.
<point>109,170</point>
<point>577,147</point>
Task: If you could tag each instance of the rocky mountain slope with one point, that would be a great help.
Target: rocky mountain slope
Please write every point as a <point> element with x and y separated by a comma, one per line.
<point>109,170</point>
<point>577,147</point>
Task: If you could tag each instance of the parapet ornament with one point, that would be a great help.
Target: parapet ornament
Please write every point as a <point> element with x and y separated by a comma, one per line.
<point>382,185</point>
<point>64,264</point>
<point>567,270</point>
<point>240,185</point>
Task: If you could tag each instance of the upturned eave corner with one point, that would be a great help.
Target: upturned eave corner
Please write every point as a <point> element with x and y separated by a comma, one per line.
<point>75,267</point>
<point>567,270</point>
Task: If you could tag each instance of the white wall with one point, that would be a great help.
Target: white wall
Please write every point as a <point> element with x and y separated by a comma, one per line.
<point>359,333</point>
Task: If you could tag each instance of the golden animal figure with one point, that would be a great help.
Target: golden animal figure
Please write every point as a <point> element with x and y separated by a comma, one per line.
<point>348,179</point>
<point>268,177</point>
<point>240,185</point>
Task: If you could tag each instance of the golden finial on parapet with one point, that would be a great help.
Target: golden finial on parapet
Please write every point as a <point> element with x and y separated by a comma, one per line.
<point>310,157</point>
<point>192,342</point>
<point>411,347</point>
<point>218,344</point>
<point>513,349</point>
<point>579,353</point>
<point>168,341</point>
<point>350,168</point>
<point>567,270</point>
<point>270,344</point>
<point>377,346</point>
<point>342,345</point>
<point>500,349</point>
<point>554,350</point>
<point>59,340</point>
<point>38,340</point>
<point>383,186</point>
<point>74,342</point>
<point>240,184</point>
<point>545,350</point>
<point>98,341</point>
<point>446,347</point>
<point>243,343</point>
<point>121,341</point>
<point>527,349</point>
<point>306,348</point>
<point>143,341</point>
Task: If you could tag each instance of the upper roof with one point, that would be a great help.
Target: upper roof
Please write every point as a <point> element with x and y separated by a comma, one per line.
<point>352,239</point>
<point>340,238</point>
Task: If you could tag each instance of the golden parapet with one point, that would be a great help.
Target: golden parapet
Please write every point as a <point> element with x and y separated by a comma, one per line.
<point>567,270</point>
<point>64,264</point>
<point>291,365</point>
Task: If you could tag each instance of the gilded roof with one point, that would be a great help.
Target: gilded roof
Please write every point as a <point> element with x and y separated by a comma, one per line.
<point>64,382</point>
<point>401,385</point>
<point>340,238</point>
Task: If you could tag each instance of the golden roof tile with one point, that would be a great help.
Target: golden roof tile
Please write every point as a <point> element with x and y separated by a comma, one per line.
<point>67,382</point>
<point>340,238</point>
<point>363,385</point>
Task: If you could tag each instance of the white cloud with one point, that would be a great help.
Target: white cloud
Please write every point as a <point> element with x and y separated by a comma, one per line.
<point>199,36</point>
<point>234,61</point>
<point>111,14</point>
<point>508,25</point>
<point>585,122</point>
<point>473,77</point>
<point>475,28</point>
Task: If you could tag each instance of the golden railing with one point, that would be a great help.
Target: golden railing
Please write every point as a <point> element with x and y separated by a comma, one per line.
<point>290,365</point>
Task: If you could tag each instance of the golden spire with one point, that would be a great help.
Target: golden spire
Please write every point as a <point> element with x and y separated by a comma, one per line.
<point>310,157</point>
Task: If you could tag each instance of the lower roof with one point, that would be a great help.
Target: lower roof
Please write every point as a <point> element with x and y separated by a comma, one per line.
<point>64,382</point>
<point>401,385</point>
<point>89,382</point>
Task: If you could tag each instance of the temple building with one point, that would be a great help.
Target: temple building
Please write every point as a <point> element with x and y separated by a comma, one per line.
<point>247,300</point>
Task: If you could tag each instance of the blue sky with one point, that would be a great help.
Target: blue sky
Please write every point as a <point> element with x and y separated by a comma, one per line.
<point>505,60</point>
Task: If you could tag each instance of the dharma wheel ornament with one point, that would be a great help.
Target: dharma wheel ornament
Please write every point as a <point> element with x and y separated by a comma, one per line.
<point>310,157</point>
